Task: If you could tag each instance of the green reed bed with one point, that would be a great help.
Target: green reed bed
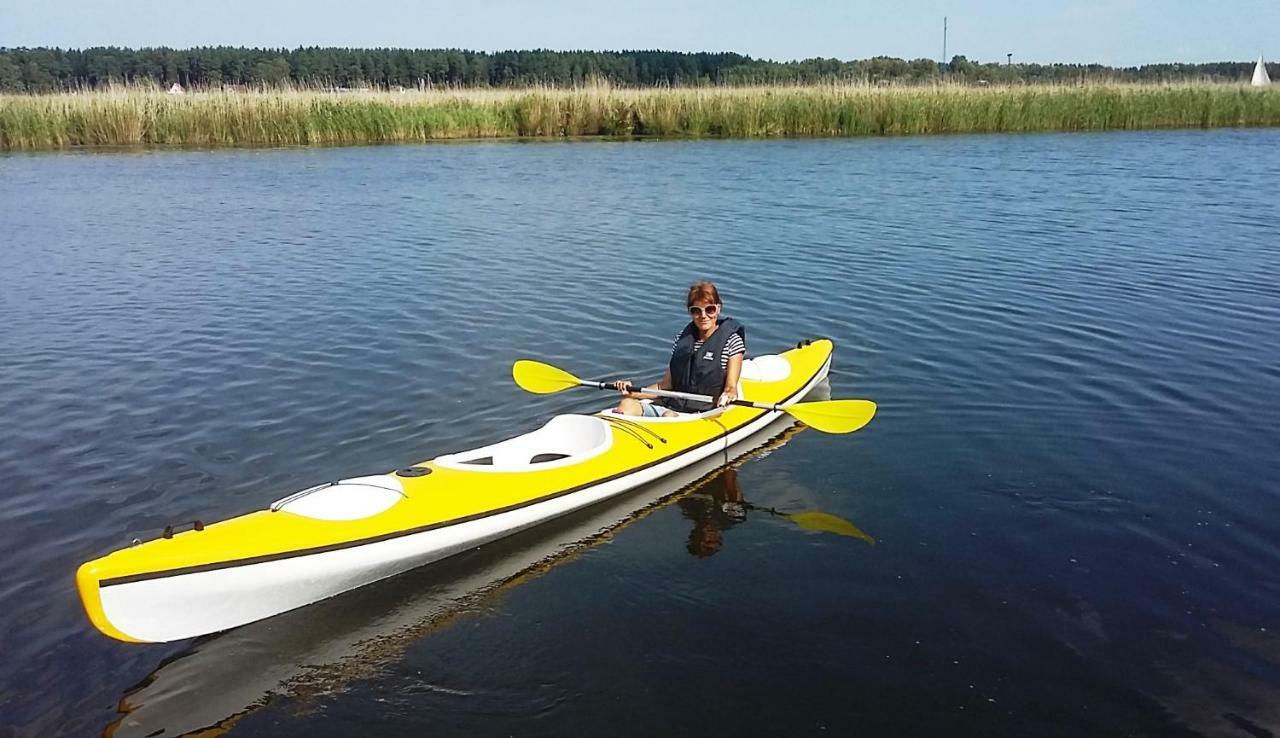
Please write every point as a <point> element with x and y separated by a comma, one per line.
<point>130,117</point>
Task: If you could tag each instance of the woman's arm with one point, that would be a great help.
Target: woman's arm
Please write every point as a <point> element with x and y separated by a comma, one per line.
<point>731,375</point>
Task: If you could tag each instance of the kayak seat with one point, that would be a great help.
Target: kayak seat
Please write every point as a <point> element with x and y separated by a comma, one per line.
<point>565,439</point>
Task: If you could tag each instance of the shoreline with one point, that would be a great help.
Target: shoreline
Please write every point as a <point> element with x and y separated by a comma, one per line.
<point>146,148</point>
<point>141,118</point>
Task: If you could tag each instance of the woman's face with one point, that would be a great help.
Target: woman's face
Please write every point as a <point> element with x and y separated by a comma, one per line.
<point>704,315</point>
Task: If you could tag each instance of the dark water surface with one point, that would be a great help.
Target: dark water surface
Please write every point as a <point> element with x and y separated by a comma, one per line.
<point>1072,481</point>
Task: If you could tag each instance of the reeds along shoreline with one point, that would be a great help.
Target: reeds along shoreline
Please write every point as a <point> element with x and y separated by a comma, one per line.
<point>139,117</point>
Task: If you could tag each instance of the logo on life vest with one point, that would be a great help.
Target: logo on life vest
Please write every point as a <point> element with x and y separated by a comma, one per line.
<point>708,356</point>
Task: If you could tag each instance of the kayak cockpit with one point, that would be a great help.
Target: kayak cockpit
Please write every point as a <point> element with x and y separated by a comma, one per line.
<point>564,440</point>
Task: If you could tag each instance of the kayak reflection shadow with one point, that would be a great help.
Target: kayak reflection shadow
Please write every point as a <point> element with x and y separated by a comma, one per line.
<point>319,649</point>
<point>718,505</point>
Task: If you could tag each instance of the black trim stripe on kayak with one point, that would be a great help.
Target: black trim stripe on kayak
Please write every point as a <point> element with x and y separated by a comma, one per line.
<point>265,558</point>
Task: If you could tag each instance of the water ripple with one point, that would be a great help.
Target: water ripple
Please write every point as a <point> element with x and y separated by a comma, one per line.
<point>1071,478</point>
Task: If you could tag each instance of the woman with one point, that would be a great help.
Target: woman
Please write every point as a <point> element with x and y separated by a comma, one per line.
<point>706,359</point>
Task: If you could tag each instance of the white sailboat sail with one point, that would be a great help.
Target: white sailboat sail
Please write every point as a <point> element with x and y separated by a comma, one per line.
<point>1260,76</point>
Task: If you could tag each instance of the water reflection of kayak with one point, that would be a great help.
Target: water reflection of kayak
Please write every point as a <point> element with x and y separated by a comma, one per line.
<point>320,648</point>
<point>335,537</point>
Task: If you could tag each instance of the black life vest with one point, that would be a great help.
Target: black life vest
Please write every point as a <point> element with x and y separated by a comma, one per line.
<point>700,372</point>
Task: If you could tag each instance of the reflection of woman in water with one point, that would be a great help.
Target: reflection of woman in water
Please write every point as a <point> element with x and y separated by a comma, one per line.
<point>713,509</point>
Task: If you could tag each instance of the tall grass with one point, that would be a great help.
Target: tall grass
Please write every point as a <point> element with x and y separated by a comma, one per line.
<point>136,116</point>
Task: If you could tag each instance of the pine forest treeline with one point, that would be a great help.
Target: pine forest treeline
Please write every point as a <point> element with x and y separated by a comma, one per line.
<point>52,69</point>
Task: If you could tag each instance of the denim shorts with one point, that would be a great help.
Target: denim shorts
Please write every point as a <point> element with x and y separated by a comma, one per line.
<point>653,409</point>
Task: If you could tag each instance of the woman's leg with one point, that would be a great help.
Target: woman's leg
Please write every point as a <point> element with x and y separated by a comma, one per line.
<point>629,406</point>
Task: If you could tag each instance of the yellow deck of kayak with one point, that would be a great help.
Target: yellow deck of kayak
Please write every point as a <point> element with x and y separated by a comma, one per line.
<point>445,495</point>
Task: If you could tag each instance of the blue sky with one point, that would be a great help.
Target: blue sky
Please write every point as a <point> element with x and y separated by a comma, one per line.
<point>1118,32</point>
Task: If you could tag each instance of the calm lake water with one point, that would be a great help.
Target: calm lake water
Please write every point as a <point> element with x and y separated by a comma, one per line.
<point>1073,483</point>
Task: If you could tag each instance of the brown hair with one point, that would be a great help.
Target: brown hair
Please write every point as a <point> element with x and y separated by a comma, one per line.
<point>703,290</point>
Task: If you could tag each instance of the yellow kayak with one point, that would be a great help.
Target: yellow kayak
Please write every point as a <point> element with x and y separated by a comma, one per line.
<point>335,537</point>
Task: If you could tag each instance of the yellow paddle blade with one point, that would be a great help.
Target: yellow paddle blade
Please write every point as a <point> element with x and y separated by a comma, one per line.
<point>828,523</point>
<point>541,379</point>
<point>834,416</point>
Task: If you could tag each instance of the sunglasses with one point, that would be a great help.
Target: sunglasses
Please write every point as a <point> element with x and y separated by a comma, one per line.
<point>709,311</point>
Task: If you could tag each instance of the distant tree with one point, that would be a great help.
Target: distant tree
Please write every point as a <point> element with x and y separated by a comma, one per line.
<point>10,76</point>
<point>457,66</point>
<point>960,65</point>
<point>922,69</point>
<point>232,69</point>
<point>38,78</point>
<point>271,71</point>
<point>478,72</point>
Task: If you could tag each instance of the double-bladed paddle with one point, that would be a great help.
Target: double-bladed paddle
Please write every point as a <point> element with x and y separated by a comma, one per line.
<point>828,416</point>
